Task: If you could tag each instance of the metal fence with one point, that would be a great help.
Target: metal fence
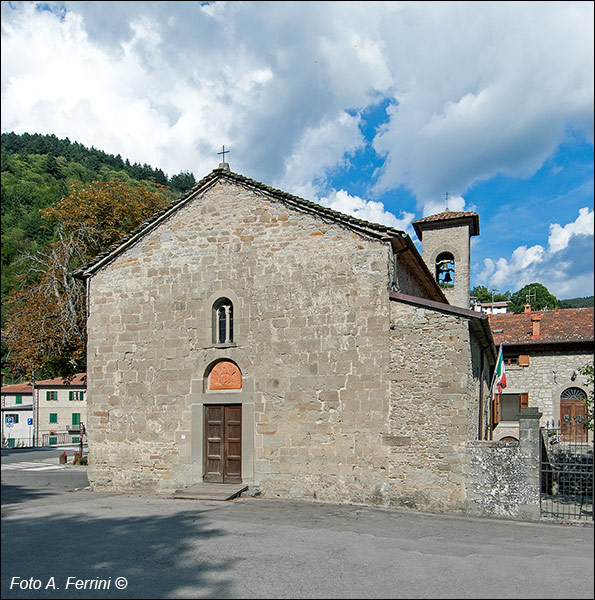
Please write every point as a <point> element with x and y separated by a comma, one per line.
<point>567,473</point>
<point>14,442</point>
<point>47,439</point>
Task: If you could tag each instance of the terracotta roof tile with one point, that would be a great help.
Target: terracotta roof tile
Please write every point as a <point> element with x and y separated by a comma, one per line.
<point>563,325</point>
<point>78,379</point>
<point>450,215</point>
<point>17,388</point>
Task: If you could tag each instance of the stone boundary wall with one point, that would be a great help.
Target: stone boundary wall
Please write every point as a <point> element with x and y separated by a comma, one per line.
<point>504,476</point>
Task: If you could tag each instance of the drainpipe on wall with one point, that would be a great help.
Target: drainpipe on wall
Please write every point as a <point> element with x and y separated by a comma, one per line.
<point>480,432</point>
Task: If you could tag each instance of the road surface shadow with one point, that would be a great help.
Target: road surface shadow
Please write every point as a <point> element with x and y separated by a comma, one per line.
<point>159,556</point>
<point>15,494</point>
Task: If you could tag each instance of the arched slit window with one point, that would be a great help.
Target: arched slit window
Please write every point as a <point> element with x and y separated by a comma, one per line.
<point>225,375</point>
<point>223,321</point>
<point>445,269</point>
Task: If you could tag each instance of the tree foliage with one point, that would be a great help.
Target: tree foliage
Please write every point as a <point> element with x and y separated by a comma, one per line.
<point>536,294</point>
<point>484,295</point>
<point>577,302</point>
<point>588,372</point>
<point>38,170</point>
<point>45,332</point>
<point>106,210</point>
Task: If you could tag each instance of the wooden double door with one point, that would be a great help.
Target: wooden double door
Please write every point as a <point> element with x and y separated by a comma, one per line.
<point>573,413</point>
<point>223,443</point>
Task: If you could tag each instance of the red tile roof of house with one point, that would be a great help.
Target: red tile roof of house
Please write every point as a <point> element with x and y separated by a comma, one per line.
<point>78,379</point>
<point>562,326</point>
<point>17,388</point>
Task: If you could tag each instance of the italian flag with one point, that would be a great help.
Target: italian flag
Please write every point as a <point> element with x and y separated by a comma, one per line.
<point>500,374</point>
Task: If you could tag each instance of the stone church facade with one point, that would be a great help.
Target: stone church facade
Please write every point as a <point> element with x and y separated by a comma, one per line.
<point>247,335</point>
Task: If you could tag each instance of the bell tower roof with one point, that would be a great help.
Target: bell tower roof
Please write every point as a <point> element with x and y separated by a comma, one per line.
<point>448,218</point>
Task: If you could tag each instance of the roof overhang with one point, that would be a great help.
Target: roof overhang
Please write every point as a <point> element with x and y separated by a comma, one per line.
<point>453,220</point>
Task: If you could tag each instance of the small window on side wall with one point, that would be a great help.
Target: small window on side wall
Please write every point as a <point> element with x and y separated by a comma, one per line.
<point>223,321</point>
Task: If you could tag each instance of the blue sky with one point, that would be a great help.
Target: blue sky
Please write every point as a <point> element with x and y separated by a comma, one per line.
<point>377,109</point>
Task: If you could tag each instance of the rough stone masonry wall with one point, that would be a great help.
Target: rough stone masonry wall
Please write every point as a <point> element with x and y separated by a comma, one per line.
<point>434,408</point>
<point>456,241</point>
<point>504,476</point>
<point>548,374</point>
<point>312,314</point>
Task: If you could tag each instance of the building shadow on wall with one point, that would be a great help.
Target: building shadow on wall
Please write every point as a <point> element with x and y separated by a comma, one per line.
<point>160,557</point>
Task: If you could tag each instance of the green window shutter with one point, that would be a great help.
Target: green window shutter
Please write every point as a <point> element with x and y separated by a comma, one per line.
<point>53,417</point>
<point>48,395</point>
<point>53,441</point>
<point>16,418</point>
<point>76,418</point>
<point>19,400</point>
<point>70,395</point>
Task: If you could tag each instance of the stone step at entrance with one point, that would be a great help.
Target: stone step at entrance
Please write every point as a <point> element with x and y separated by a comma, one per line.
<point>211,491</point>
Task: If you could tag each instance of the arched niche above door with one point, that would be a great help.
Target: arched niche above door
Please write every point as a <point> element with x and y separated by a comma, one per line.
<point>225,375</point>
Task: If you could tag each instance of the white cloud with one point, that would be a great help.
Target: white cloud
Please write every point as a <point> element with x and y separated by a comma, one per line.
<point>565,267</point>
<point>366,210</point>
<point>316,152</point>
<point>454,203</point>
<point>560,237</point>
<point>473,90</point>
<point>480,89</point>
<point>493,95</point>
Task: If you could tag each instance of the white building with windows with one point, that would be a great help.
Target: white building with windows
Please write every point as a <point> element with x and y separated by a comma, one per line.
<point>17,415</point>
<point>60,409</point>
<point>491,308</point>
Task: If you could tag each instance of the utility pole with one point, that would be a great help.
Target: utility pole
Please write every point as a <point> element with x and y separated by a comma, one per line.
<point>83,431</point>
<point>493,291</point>
<point>35,409</point>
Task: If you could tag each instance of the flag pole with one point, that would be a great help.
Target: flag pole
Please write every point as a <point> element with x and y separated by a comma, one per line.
<point>499,358</point>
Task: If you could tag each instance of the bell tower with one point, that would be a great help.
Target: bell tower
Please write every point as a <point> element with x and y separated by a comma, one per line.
<point>446,250</point>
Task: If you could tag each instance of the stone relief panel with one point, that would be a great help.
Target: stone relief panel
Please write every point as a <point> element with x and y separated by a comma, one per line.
<point>225,375</point>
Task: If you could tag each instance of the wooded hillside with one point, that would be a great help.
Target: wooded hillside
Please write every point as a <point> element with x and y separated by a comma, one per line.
<point>37,171</point>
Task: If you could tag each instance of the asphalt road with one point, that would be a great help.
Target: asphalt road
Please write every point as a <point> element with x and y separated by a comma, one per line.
<point>62,541</point>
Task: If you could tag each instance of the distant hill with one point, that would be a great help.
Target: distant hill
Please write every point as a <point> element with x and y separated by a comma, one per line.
<point>37,171</point>
<point>576,302</point>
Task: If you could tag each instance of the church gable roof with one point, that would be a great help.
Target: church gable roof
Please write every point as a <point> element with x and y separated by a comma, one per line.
<point>376,230</point>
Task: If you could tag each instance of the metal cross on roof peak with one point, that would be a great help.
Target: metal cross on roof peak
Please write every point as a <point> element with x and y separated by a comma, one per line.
<point>224,152</point>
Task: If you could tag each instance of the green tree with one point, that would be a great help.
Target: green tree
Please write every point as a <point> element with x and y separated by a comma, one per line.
<point>536,294</point>
<point>587,370</point>
<point>484,295</point>
<point>182,182</point>
<point>45,328</point>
